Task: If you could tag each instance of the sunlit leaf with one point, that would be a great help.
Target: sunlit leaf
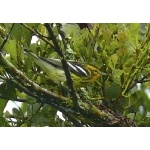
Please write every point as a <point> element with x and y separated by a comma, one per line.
<point>10,47</point>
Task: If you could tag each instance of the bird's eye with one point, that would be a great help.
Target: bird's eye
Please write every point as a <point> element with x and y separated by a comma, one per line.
<point>95,72</point>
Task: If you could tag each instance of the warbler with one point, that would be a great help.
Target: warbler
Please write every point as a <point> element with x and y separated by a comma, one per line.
<point>81,74</point>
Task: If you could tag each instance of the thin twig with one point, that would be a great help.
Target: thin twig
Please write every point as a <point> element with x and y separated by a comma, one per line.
<point>33,115</point>
<point>25,90</point>
<point>73,120</point>
<point>62,33</point>
<point>138,81</point>
<point>67,114</point>
<point>38,35</point>
<point>16,99</point>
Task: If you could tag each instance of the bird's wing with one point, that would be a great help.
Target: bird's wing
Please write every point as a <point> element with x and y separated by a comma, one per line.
<point>74,66</point>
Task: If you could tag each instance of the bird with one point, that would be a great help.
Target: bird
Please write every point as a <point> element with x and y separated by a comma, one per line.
<point>82,74</point>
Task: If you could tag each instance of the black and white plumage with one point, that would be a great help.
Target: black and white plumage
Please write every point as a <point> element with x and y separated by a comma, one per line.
<point>80,73</point>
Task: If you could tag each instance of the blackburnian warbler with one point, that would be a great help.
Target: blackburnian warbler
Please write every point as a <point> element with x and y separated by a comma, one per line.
<point>81,74</point>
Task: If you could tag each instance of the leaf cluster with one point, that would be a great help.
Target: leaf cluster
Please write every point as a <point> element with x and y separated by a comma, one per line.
<point>119,99</point>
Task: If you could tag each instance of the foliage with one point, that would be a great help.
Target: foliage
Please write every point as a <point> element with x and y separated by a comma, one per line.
<point>119,98</point>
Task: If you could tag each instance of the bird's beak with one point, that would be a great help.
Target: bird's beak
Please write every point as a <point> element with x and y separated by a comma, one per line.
<point>103,73</point>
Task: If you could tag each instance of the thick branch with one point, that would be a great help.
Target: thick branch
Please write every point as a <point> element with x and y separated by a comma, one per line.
<point>87,110</point>
<point>18,74</point>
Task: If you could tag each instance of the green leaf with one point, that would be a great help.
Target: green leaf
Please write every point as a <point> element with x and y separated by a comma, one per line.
<point>49,111</point>
<point>146,101</point>
<point>131,115</point>
<point>1,40</point>
<point>2,31</point>
<point>139,118</point>
<point>10,47</point>
<point>112,61</point>
<point>114,58</point>
<point>135,27</point>
<point>113,91</point>
<point>42,29</point>
<point>33,25</point>
<point>139,99</point>
<point>107,35</point>
<point>121,37</point>
<point>146,122</point>
<point>26,36</point>
<point>32,108</point>
<point>21,34</point>
<point>35,107</point>
<point>24,107</point>
<point>7,114</point>
<point>30,100</point>
<point>24,125</point>
<point>3,122</point>
<point>16,33</point>
<point>8,91</point>
<point>73,31</point>
<point>39,119</point>
<point>3,104</point>
<point>17,113</point>
<point>20,94</point>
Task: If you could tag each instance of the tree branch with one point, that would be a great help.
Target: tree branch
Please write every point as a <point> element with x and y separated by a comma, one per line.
<point>61,103</point>
<point>16,99</point>
<point>18,74</point>
<point>64,64</point>
<point>38,35</point>
<point>137,81</point>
